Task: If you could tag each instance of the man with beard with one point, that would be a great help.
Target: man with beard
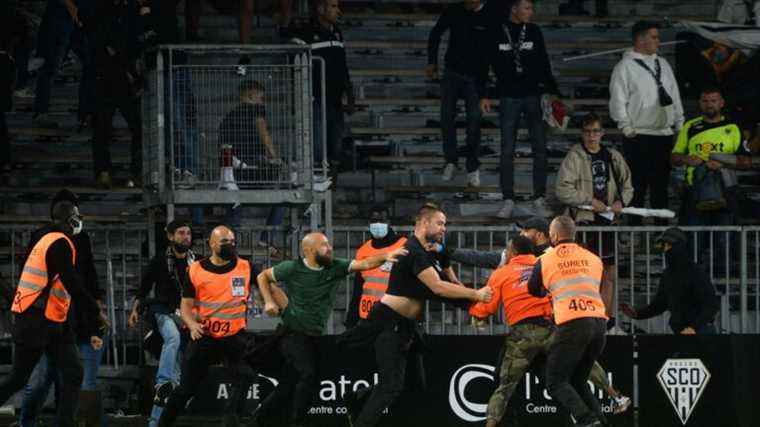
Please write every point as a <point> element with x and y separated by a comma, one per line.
<point>711,132</point>
<point>215,295</point>
<point>370,285</point>
<point>685,290</point>
<point>48,285</point>
<point>163,277</point>
<point>311,283</point>
<point>391,325</point>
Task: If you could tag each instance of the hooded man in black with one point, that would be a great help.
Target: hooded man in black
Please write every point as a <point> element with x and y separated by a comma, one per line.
<point>685,290</point>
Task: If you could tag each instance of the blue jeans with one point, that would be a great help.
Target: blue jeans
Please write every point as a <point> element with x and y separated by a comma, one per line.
<point>453,87</point>
<point>46,374</point>
<point>169,362</point>
<point>509,114</point>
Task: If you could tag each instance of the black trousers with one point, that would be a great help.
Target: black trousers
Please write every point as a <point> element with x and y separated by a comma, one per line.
<point>298,382</point>
<point>62,351</point>
<point>5,141</point>
<point>576,346</point>
<point>392,346</point>
<point>648,156</point>
<point>199,356</point>
<point>101,152</point>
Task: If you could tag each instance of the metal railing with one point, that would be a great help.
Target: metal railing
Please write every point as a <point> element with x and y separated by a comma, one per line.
<point>729,255</point>
<point>210,117</point>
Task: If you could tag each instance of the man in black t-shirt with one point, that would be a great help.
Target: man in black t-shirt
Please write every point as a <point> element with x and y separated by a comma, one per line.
<point>245,129</point>
<point>415,278</point>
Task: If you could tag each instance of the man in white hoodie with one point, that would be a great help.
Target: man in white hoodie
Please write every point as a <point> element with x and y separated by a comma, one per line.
<point>646,104</point>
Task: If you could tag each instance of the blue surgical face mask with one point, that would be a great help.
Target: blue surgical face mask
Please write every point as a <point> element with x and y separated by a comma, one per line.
<point>378,230</point>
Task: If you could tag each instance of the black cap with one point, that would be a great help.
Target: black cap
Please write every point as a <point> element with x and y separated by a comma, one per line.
<point>176,224</point>
<point>536,223</point>
<point>672,235</point>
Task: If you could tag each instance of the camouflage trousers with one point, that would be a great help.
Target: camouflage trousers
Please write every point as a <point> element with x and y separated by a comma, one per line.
<point>523,344</point>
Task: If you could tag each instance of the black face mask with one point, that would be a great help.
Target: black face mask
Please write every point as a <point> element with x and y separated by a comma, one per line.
<point>180,248</point>
<point>227,252</point>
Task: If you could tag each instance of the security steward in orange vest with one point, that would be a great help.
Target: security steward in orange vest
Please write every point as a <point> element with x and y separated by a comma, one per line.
<point>45,291</point>
<point>370,285</point>
<point>214,305</point>
<point>529,318</point>
<point>571,276</point>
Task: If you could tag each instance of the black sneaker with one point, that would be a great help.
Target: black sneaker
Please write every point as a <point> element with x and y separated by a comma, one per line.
<point>163,391</point>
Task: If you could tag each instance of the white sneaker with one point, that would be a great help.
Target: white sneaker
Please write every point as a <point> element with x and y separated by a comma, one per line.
<point>8,410</point>
<point>448,171</point>
<point>615,330</point>
<point>506,210</point>
<point>620,404</point>
<point>26,92</point>
<point>539,205</point>
<point>473,178</point>
<point>35,64</point>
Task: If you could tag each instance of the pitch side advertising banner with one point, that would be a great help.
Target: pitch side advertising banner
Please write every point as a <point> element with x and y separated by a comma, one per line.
<point>459,372</point>
<point>694,381</point>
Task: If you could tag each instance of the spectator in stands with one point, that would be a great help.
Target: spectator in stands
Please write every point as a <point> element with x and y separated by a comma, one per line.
<point>464,77</point>
<point>245,129</point>
<point>61,20</point>
<point>119,86</point>
<point>521,64</point>
<point>646,104</point>
<point>326,41</point>
<point>164,277</point>
<point>685,290</point>
<point>8,79</point>
<point>711,132</point>
<point>46,373</point>
<point>742,12</point>
<point>595,175</point>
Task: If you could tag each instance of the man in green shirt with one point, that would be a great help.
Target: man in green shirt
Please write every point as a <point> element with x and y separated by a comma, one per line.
<point>311,282</point>
<point>709,133</point>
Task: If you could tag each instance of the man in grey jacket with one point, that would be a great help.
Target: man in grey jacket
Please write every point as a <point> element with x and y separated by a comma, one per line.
<point>592,174</point>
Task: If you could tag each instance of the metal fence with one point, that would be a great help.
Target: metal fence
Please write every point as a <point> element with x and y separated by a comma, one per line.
<point>729,255</point>
<point>229,117</point>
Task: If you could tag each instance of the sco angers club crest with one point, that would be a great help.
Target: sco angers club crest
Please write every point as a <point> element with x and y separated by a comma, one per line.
<point>684,381</point>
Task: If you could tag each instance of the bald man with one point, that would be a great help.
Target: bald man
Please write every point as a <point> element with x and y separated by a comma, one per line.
<point>310,282</point>
<point>215,296</point>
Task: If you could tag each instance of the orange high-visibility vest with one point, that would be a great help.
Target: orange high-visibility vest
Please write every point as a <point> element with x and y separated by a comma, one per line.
<point>572,275</point>
<point>375,280</point>
<point>510,287</point>
<point>34,280</point>
<point>220,299</point>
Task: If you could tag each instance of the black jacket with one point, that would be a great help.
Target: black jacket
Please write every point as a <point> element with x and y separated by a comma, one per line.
<point>31,327</point>
<point>329,45</point>
<point>536,78</point>
<point>468,33</point>
<point>167,291</point>
<point>685,290</point>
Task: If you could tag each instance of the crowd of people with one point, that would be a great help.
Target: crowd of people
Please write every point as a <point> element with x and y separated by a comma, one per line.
<point>549,286</point>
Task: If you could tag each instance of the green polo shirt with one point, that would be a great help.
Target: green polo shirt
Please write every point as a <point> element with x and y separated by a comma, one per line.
<point>699,138</point>
<point>311,293</point>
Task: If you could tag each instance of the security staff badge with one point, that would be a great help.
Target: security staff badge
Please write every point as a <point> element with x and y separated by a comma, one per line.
<point>238,286</point>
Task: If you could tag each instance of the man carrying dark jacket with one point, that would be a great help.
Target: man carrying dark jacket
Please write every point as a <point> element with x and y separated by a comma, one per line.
<point>685,290</point>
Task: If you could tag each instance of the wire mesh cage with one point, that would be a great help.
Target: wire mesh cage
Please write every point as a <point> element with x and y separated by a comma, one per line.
<point>229,118</point>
